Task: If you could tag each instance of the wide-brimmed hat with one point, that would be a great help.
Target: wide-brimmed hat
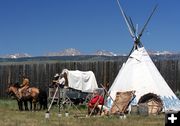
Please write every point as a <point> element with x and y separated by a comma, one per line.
<point>56,75</point>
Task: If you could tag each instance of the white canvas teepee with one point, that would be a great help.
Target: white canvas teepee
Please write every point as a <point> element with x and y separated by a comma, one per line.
<point>139,73</point>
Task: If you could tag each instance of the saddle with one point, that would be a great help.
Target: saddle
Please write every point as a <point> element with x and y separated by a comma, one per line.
<point>26,92</point>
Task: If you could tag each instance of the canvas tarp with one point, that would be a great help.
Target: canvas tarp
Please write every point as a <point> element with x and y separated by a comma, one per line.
<point>122,101</point>
<point>84,81</point>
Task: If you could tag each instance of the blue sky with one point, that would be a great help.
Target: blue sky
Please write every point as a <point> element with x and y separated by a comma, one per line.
<point>37,27</point>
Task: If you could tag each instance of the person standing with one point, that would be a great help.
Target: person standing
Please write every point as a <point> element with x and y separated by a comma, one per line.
<point>59,80</point>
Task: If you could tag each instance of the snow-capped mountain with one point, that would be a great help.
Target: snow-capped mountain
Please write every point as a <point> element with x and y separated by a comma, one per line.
<point>157,53</point>
<point>105,53</point>
<point>66,52</point>
<point>16,55</point>
<point>75,52</point>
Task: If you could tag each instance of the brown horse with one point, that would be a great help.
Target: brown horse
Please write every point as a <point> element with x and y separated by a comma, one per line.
<point>31,96</point>
<point>12,92</point>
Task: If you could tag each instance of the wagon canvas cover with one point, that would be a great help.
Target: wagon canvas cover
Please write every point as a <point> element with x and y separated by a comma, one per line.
<point>84,81</point>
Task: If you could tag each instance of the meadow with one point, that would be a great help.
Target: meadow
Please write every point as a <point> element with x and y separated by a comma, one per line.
<point>11,116</point>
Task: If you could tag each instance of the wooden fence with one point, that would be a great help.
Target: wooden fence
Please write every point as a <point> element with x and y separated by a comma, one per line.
<point>41,73</point>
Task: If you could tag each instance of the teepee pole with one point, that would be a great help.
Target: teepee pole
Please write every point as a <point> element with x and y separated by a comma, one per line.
<point>126,20</point>
<point>110,97</point>
<point>140,34</point>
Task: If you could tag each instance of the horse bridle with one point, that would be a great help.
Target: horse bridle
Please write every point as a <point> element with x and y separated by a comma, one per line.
<point>16,92</point>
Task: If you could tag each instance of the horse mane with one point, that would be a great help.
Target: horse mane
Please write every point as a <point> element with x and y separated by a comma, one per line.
<point>17,85</point>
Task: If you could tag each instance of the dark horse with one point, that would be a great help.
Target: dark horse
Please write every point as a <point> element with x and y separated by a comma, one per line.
<point>34,96</point>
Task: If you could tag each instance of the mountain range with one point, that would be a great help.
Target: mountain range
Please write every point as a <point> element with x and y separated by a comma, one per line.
<point>75,52</point>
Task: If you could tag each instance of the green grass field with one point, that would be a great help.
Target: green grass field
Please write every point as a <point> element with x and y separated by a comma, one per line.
<point>11,116</point>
